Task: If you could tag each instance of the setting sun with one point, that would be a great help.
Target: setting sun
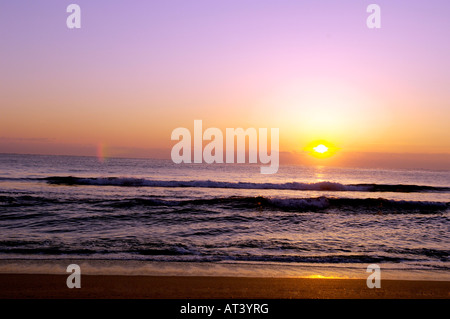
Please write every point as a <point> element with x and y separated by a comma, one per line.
<point>320,148</point>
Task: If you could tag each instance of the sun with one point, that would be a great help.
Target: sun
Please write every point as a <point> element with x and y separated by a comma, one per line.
<point>320,149</point>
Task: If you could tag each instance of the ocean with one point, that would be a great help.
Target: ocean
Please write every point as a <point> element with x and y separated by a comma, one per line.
<point>147,216</point>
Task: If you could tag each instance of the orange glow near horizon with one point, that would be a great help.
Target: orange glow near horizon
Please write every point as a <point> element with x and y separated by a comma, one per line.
<point>324,277</point>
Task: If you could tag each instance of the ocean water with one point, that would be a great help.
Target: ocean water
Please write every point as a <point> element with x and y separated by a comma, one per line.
<point>144,216</point>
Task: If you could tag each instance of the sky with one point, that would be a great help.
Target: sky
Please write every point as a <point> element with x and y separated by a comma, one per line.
<point>135,71</point>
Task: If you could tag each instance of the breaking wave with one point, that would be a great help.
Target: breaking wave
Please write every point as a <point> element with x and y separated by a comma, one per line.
<point>320,186</point>
<point>322,203</point>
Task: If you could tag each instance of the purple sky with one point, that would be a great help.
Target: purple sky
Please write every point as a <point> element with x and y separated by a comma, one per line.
<point>137,70</point>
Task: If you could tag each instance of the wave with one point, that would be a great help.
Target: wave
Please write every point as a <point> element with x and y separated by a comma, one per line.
<point>232,252</point>
<point>378,205</point>
<point>244,249</point>
<point>322,203</point>
<point>162,251</point>
<point>320,186</point>
<point>175,256</point>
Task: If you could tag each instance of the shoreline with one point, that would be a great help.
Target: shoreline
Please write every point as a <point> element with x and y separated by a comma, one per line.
<point>45,286</point>
<point>215,269</point>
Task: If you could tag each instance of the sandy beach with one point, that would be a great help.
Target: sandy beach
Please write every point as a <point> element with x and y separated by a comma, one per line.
<point>24,286</point>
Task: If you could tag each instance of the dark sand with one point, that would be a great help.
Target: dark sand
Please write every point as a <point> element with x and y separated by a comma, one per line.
<point>20,286</point>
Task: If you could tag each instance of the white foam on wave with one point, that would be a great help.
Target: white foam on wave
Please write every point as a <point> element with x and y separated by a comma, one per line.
<point>320,186</point>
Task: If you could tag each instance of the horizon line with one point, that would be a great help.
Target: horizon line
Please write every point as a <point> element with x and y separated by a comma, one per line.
<point>312,162</point>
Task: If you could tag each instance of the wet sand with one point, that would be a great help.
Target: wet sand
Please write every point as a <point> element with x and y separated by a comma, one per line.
<point>24,286</point>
